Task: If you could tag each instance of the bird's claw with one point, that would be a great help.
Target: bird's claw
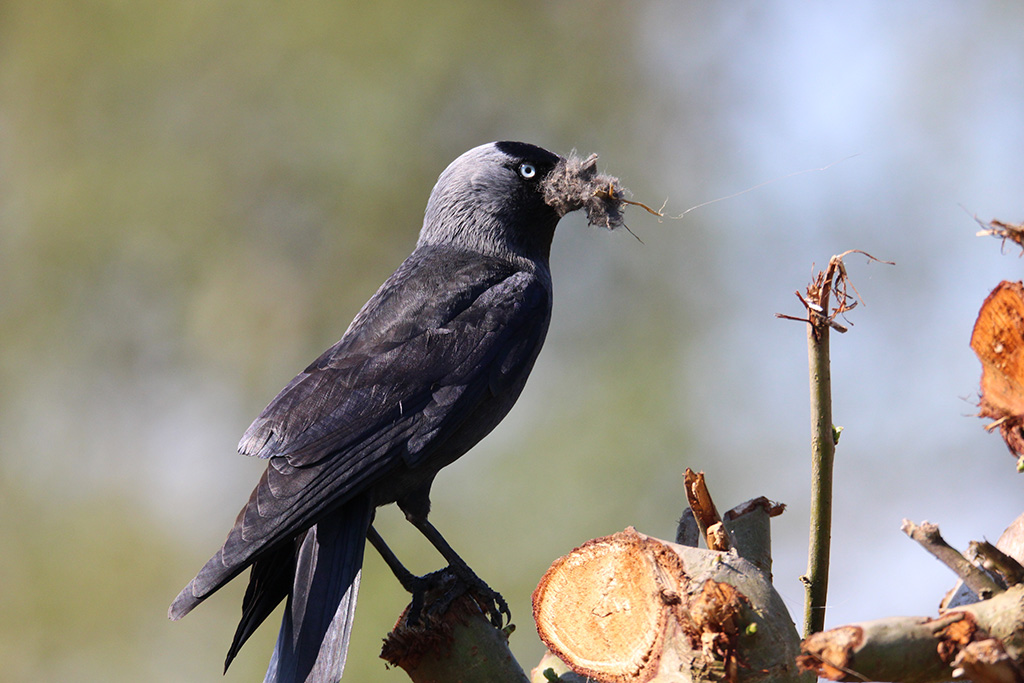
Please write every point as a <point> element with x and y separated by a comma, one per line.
<point>492,603</point>
<point>420,586</point>
<point>448,584</point>
<point>488,599</point>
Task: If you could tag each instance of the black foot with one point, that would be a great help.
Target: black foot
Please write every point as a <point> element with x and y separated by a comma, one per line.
<point>490,600</point>
<point>440,584</point>
<point>444,586</point>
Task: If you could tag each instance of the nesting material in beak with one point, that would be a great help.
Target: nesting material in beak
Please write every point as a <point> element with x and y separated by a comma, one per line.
<point>574,184</point>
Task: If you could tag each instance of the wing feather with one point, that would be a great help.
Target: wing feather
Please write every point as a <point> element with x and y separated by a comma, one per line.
<point>448,332</point>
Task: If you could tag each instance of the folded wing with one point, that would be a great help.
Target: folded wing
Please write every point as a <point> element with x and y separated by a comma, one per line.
<point>447,332</point>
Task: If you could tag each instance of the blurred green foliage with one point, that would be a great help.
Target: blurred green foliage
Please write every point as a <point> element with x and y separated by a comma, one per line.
<point>194,200</point>
<point>196,197</point>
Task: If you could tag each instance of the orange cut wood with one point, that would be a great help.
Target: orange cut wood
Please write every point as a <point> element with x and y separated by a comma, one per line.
<point>998,341</point>
<point>603,607</point>
<point>630,608</point>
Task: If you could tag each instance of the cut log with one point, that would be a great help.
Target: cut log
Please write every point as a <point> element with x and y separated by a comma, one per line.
<point>631,608</point>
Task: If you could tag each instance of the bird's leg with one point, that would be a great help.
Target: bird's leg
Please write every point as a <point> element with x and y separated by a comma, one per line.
<point>410,582</point>
<point>416,506</point>
<point>417,586</point>
<point>414,585</point>
<point>496,605</point>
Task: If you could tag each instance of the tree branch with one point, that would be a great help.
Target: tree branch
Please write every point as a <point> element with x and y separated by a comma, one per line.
<point>981,641</point>
<point>460,644</point>
<point>928,536</point>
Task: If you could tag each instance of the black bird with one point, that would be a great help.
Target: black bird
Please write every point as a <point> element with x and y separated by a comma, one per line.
<point>428,367</point>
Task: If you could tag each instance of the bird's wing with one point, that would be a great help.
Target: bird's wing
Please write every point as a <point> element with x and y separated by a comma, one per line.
<point>411,335</point>
<point>445,331</point>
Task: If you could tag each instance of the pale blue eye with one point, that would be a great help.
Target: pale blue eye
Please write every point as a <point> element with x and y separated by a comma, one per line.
<point>527,171</point>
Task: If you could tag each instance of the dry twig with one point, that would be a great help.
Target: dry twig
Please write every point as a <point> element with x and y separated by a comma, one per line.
<point>821,317</point>
<point>1005,231</point>
<point>928,536</point>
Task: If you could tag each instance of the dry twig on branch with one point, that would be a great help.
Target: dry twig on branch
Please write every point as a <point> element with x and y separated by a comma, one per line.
<point>1013,232</point>
<point>982,641</point>
<point>821,317</point>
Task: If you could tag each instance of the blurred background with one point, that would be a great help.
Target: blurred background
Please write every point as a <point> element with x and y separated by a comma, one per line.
<point>195,199</point>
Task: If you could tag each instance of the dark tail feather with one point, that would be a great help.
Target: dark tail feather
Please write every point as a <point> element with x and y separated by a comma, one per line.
<point>270,579</point>
<point>317,623</point>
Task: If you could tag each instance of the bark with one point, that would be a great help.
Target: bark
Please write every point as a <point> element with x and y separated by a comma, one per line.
<point>629,607</point>
<point>982,642</point>
<point>459,645</point>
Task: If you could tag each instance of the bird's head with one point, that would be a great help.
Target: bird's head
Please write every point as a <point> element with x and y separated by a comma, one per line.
<point>491,199</point>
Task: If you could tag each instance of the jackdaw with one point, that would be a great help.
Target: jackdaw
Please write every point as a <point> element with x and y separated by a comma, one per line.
<point>428,367</point>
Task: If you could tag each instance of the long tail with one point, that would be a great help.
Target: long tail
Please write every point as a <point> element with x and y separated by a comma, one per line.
<point>317,623</point>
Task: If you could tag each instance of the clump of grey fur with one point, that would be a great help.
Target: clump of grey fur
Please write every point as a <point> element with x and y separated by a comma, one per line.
<point>574,183</point>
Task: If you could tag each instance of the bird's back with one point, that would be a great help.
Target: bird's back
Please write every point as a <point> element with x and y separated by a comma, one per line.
<point>429,366</point>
